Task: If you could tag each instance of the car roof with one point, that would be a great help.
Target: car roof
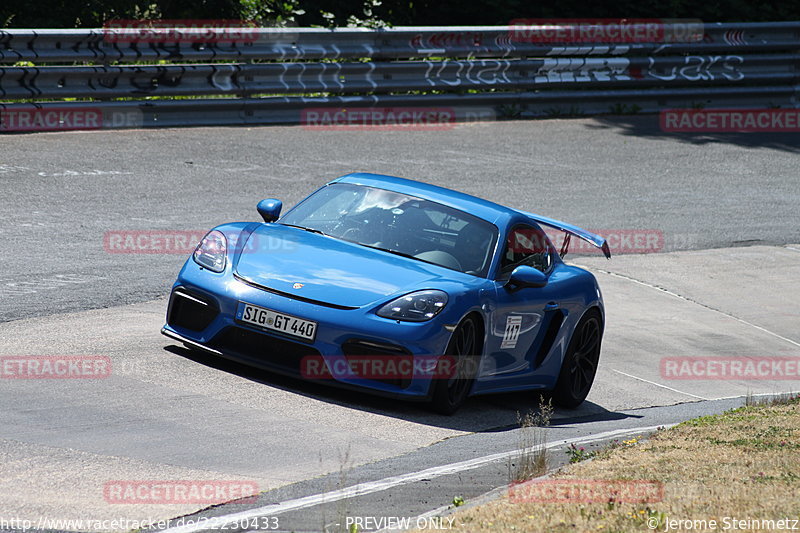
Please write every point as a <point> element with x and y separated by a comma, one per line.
<point>479,207</point>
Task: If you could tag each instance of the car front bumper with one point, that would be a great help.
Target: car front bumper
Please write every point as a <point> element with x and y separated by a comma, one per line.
<point>202,314</point>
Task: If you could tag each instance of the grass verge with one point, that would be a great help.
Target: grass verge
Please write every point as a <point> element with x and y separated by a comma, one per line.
<point>737,471</point>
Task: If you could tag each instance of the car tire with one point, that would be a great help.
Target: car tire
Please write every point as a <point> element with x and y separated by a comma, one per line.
<point>449,394</point>
<point>580,362</point>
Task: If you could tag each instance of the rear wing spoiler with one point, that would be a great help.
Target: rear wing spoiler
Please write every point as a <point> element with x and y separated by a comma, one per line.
<point>569,229</point>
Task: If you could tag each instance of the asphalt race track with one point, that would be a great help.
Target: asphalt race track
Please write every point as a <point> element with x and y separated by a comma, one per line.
<point>720,281</point>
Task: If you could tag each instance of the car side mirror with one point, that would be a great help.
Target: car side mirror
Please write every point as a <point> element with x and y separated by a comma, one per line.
<point>270,209</point>
<point>526,276</point>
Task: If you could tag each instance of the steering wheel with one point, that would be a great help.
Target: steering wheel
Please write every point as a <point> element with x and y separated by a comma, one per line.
<point>440,258</point>
<point>352,234</point>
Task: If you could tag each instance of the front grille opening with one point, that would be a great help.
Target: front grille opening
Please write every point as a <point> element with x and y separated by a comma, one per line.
<point>190,311</point>
<point>364,347</point>
<point>263,349</point>
<point>358,348</point>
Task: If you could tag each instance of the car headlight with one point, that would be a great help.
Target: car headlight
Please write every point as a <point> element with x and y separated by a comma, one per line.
<point>212,251</point>
<point>417,306</point>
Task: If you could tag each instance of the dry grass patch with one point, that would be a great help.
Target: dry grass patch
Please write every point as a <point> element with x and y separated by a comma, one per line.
<point>532,458</point>
<point>743,465</point>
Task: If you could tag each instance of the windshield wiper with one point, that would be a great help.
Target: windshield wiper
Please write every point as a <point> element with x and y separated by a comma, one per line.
<point>311,230</point>
<point>397,252</point>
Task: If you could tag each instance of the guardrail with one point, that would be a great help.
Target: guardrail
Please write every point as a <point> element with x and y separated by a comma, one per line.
<point>269,75</point>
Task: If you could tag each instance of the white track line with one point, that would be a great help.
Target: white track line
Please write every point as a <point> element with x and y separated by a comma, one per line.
<point>676,295</point>
<point>383,484</point>
<point>660,385</point>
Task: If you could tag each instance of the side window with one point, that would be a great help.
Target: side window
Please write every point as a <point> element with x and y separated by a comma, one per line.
<point>526,245</point>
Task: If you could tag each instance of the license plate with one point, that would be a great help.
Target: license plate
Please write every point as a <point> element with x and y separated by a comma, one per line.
<point>272,320</point>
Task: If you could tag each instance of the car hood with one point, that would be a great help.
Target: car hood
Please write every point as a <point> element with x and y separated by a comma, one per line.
<point>330,270</point>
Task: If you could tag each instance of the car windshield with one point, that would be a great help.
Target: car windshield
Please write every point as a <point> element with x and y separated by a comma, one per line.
<point>400,224</point>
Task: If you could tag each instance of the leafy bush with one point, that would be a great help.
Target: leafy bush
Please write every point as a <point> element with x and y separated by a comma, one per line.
<point>376,13</point>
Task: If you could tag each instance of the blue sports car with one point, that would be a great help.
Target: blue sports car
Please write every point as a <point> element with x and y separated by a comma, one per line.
<point>397,287</point>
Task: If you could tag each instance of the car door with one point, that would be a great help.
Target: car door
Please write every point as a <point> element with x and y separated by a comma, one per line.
<point>521,318</point>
